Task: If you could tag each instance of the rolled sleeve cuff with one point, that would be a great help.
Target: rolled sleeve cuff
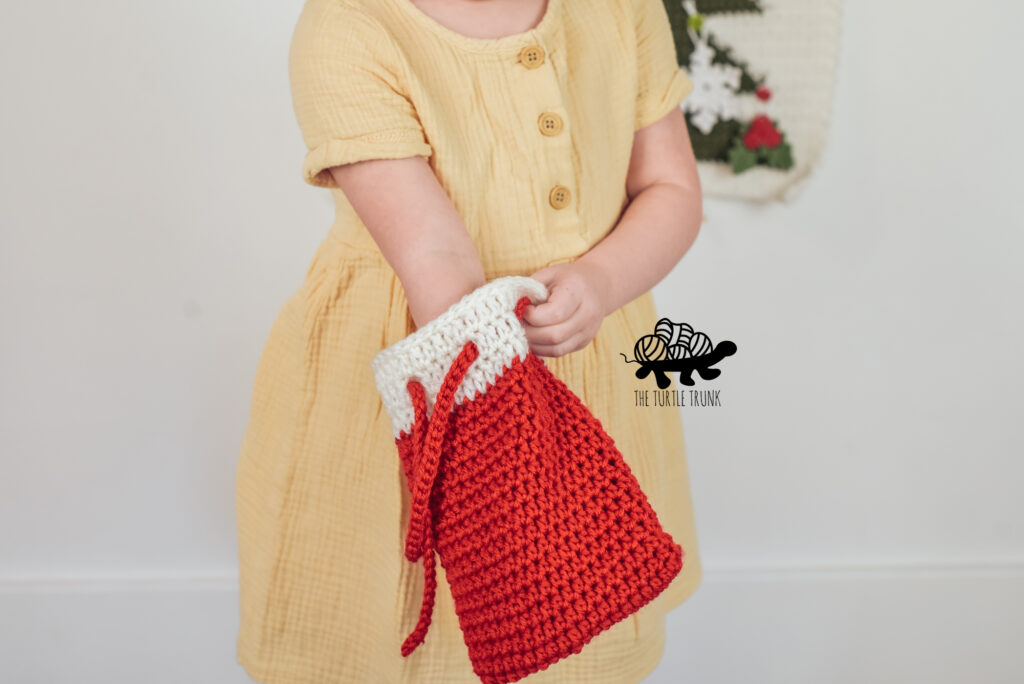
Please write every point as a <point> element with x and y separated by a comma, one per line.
<point>392,144</point>
<point>656,105</point>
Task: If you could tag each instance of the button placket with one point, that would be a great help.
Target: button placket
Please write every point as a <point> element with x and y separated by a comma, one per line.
<point>552,128</point>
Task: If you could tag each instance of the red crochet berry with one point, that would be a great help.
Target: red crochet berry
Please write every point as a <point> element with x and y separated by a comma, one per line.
<point>763,93</point>
<point>762,131</point>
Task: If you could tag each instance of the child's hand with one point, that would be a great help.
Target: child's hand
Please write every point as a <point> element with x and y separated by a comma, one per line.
<point>571,316</point>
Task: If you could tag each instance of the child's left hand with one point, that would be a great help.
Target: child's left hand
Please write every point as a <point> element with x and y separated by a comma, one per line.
<point>578,300</point>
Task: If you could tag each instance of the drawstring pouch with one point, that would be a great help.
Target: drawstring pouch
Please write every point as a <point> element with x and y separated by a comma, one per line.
<point>542,529</point>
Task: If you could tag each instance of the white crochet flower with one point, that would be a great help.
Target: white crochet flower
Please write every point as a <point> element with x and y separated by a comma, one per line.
<point>714,89</point>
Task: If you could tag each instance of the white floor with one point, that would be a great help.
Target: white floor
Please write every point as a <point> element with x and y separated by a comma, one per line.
<point>877,626</point>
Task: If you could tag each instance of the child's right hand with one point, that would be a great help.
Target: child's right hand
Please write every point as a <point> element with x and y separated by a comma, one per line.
<point>577,303</point>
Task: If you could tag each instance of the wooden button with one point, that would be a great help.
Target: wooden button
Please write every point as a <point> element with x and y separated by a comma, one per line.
<point>559,197</point>
<point>531,56</point>
<point>550,123</point>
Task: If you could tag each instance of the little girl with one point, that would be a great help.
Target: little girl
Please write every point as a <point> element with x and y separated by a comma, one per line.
<point>462,141</point>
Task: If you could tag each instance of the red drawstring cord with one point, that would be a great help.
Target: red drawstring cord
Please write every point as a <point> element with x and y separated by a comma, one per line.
<point>420,539</point>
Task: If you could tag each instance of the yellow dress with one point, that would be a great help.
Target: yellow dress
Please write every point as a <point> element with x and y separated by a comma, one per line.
<point>326,596</point>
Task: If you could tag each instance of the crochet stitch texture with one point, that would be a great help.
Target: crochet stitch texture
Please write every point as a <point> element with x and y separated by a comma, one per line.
<point>543,531</point>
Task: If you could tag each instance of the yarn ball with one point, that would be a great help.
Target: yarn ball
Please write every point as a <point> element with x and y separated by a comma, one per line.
<point>673,333</point>
<point>649,348</point>
<point>685,333</point>
<point>700,344</point>
<point>663,329</point>
<point>678,351</point>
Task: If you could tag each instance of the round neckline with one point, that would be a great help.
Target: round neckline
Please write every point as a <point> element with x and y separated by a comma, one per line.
<point>499,44</point>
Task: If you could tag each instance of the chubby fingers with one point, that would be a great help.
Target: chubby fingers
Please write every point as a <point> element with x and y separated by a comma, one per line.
<point>559,307</point>
<point>572,340</point>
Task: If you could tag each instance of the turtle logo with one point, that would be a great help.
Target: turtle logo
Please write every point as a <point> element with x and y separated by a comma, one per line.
<point>678,348</point>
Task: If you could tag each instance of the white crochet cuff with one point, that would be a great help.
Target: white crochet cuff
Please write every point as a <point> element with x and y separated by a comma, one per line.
<point>487,316</point>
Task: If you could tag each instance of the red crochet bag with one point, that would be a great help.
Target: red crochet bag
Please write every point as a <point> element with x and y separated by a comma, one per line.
<point>543,531</point>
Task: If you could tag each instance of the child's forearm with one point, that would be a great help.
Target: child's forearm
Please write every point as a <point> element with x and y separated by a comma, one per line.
<point>417,228</point>
<point>654,232</point>
<point>436,277</point>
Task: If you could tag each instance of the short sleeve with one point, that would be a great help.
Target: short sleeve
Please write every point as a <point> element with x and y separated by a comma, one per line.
<point>347,92</point>
<point>662,82</point>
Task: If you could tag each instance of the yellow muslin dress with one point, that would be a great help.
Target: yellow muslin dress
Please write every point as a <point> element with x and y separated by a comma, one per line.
<point>326,595</point>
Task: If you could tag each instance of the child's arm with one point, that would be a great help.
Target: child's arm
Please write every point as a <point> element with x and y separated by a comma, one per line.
<point>417,228</point>
<point>663,217</point>
<point>653,233</point>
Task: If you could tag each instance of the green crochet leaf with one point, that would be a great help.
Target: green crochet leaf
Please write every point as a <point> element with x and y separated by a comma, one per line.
<point>741,158</point>
<point>780,157</point>
<point>722,6</point>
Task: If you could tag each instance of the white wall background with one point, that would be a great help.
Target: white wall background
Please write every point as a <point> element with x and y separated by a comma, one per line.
<point>858,495</point>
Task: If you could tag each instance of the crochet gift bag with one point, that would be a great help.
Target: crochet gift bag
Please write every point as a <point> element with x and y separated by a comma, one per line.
<point>544,534</point>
